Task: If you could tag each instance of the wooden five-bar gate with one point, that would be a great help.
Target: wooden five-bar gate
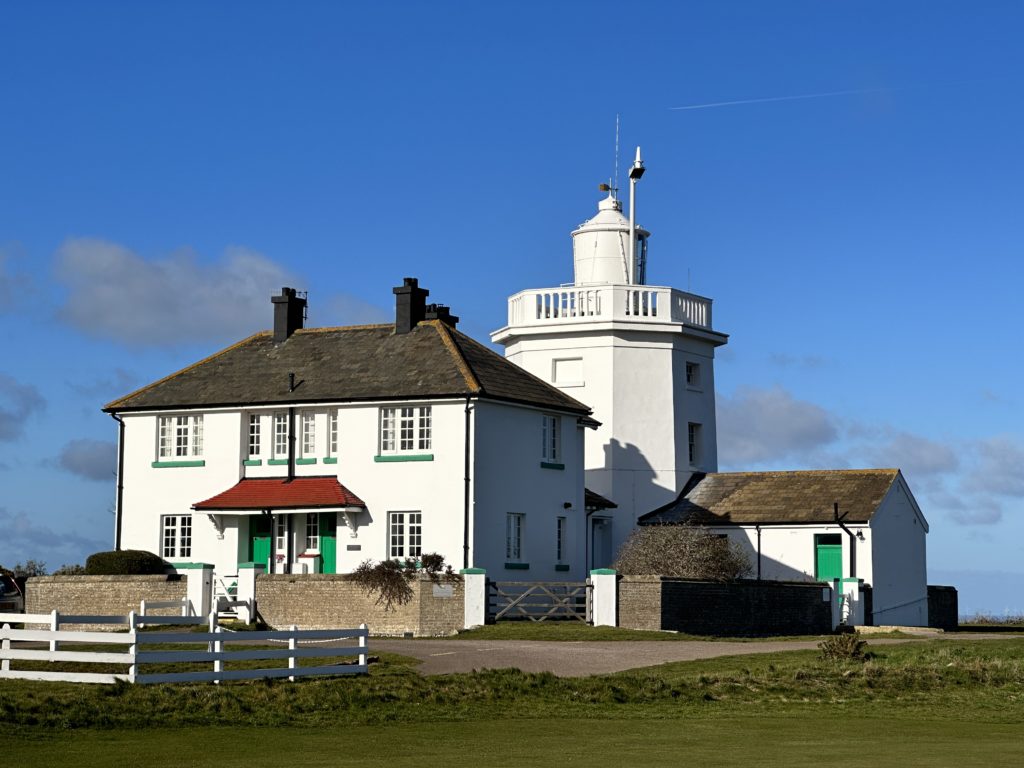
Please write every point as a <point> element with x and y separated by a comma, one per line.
<point>540,600</point>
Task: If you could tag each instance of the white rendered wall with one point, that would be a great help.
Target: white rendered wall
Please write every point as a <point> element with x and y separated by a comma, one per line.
<point>509,478</point>
<point>634,379</point>
<point>899,560</point>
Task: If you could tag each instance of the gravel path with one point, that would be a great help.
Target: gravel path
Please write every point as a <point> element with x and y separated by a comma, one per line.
<point>577,659</point>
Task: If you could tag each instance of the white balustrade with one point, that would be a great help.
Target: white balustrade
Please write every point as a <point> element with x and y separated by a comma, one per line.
<point>581,304</point>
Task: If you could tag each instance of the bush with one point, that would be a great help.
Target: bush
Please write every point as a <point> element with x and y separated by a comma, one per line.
<point>124,562</point>
<point>847,646</point>
<point>70,569</point>
<point>29,569</point>
<point>685,551</point>
<point>390,579</point>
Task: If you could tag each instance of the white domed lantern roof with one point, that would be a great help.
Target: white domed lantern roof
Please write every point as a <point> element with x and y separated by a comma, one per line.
<point>601,246</point>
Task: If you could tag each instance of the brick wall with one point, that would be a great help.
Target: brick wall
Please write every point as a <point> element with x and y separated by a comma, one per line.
<point>100,595</point>
<point>943,607</point>
<point>325,601</point>
<point>715,608</point>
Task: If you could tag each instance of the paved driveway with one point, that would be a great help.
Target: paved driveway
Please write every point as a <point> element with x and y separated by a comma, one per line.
<point>570,659</point>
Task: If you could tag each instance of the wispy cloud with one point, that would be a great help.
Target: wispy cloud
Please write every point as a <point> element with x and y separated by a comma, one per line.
<point>18,402</point>
<point>24,539</point>
<point>90,459</point>
<point>117,382</point>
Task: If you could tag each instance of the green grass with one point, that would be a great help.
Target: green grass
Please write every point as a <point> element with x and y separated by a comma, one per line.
<point>956,702</point>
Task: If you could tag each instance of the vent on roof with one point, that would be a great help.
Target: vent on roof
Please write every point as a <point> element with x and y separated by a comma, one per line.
<point>289,313</point>
<point>410,304</point>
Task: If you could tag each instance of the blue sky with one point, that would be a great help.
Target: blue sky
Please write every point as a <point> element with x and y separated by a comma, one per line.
<point>165,167</point>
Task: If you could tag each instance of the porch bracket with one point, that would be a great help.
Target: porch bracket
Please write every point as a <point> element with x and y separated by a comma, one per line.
<point>218,523</point>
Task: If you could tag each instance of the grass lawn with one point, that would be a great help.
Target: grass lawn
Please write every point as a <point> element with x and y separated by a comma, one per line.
<point>958,702</point>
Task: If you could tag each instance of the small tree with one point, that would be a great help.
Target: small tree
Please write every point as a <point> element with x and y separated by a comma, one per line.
<point>391,579</point>
<point>30,568</point>
<point>686,551</point>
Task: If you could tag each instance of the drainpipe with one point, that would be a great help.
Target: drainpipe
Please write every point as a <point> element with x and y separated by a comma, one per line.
<point>465,492</point>
<point>853,540</point>
<point>758,529</point>
<point>119,498</point>
<point>291,444</point>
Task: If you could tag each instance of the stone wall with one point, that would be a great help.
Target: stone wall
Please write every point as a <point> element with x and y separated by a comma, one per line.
<point>101,595</point>
<point>725,609</point>
<point>326,601</point>
<point>943,607</point>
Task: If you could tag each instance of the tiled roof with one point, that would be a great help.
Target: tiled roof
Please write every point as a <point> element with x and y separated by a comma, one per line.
<point>763,498</point>
<point>282,493</point>
<point>367,362</point>
<point>592,500</point>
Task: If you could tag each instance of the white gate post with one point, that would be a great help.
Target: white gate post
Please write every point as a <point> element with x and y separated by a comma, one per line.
<point>293,643</point>
<point>199,586</point>
<point>606,597</point>
<point>247,573</point>
<point>854,599</point>
<point>54,626</point>
<point>362,645</point>
<point>474,597</point>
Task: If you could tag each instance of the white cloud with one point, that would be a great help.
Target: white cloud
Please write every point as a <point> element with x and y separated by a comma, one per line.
<point>1000,468</point>
<point>917,456</point>
<point>115,293</point>
<point>17,403</point>
<point>117,382</point>
<point>91,459</point>
<point>757,426</point>
<point>25,539</point>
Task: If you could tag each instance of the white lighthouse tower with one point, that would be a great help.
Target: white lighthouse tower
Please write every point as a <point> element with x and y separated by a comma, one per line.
<point>641,356</point>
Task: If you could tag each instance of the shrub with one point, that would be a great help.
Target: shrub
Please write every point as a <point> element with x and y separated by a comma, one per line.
<point>29,569</point>
<point>685,551</point>
<point>847,646</point>
<point>124,562</point>
<point>70,569</point>
<point>391,579</point>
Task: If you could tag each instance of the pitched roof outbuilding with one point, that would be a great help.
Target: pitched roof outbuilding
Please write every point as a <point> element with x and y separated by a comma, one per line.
<point>366,362</point>
<point>764,498</point>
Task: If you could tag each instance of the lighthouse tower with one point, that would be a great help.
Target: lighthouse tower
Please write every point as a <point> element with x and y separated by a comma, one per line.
<point>641,356</point>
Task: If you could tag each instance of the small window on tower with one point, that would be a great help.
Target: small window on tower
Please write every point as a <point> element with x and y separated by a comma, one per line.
<point>693,435</point>
<point>693,375</point>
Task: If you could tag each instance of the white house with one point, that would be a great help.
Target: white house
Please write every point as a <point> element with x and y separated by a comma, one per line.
<point>641,356</point>
<point>311,450</point>
<point>819,526</point>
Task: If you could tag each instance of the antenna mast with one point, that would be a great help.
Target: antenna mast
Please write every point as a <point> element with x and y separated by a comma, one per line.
<point>634,176</point>
<point>615,186</point>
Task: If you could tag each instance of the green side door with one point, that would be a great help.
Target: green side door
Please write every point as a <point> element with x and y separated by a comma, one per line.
<point>828,556</point>
<point>329,541</point>
<point>260,531</point>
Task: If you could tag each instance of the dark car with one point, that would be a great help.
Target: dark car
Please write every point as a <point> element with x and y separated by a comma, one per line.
<point>11,598</point>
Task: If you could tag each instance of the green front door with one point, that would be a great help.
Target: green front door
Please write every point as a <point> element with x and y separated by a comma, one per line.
<point>828,556</point>
<point>260,531</point>
<point>329,541</point>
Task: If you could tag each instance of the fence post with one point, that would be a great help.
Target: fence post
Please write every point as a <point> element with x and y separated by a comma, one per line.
<point>133,647</point>
<point>837,603</point>
<point>293,643</point>
<point>605,597</point>
<point>247,574</point>
<point>218,646</point>
<point>474,597</point>
<point>54,626</point>
<point>5,645</point>
<point>363,645</point>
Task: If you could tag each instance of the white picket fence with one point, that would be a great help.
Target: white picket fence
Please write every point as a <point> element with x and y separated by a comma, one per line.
<point>209,649</point>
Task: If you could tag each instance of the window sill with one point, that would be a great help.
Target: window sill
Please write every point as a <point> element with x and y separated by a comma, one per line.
<point>552,465</point>
<point>517,566</point>
<point>168,464</point>
<point>561,567</point>
<point>330,459</point>
<point>252,463</point>
<point>405,457</point>
<point>305,461</point>
<point>277,462</point>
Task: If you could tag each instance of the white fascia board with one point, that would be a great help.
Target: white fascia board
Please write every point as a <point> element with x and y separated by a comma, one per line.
<point>307,405</point>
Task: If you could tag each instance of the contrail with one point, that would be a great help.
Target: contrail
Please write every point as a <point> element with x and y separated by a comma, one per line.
<point>783,98</point>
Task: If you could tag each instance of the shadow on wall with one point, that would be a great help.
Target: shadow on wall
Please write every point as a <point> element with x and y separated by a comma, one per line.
<point>770,568</point>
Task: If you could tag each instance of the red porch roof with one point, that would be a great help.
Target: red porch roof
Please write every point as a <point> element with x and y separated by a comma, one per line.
<point>281,493</point>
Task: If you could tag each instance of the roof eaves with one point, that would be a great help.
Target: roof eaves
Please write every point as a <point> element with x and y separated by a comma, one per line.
<point>115,405</point>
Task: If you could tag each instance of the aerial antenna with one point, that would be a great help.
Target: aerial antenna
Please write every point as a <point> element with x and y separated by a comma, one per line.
<point>616,187</point>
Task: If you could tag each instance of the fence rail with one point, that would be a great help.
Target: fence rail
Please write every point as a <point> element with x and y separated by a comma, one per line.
<point>210,648</point>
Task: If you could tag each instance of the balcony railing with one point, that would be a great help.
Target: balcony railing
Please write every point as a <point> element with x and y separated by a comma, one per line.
<point>634,303</point>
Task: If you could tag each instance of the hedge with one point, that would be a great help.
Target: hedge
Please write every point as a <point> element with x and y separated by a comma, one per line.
<point>125,562</point>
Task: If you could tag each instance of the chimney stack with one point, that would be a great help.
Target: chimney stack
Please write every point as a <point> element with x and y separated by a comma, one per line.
<point>289,313</point>
<point>442,313</point>
<point>410,304</point>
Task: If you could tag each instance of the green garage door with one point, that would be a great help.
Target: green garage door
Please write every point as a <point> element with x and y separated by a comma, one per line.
<point>828,556</point>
